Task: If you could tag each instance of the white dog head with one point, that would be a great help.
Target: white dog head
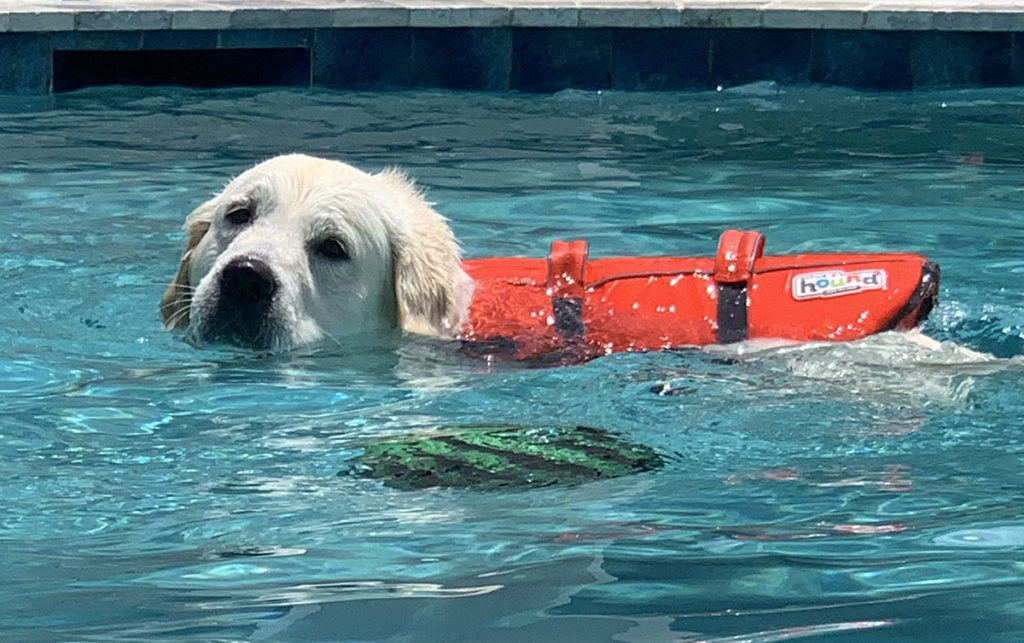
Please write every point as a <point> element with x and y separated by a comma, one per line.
<point>299,249</point>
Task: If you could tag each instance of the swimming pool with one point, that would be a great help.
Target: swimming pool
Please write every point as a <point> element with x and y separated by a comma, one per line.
<point>154,492</point>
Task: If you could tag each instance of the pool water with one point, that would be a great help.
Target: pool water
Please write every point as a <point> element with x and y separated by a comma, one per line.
<point>870,491</point>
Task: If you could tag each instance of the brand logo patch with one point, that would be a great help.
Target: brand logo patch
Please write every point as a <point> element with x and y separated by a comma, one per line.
<point>835,283</point>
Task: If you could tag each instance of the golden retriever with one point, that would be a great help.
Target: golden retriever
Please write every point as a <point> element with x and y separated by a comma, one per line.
<point>300,249</point>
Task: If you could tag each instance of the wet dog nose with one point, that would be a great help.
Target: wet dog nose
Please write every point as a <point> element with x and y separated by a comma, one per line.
<point>247,282</point>
<point>241,314</point>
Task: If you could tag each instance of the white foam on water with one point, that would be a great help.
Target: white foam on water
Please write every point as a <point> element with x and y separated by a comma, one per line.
<point>889,365</point>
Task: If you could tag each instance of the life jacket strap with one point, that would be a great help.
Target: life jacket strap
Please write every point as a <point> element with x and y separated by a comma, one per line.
<point>738,250</point>
<point>567,263</point>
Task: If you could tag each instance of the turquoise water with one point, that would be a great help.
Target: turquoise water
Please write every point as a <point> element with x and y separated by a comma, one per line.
<point>858,492</point>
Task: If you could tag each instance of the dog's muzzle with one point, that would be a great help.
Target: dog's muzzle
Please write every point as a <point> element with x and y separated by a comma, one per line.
<point>241,314</point>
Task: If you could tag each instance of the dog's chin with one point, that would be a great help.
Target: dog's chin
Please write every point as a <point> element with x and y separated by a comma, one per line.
<point>275,342</point>
<point>223,326</point>
<point>266,339</point>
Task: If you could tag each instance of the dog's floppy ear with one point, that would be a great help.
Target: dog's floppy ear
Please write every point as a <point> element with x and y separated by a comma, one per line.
<point>431,288</point>
<point>174,305</point>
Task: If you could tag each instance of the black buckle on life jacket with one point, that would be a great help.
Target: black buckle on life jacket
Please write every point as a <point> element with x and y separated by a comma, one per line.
<point>566,267</point>
<point>734,267</point>
<point>921,302</point>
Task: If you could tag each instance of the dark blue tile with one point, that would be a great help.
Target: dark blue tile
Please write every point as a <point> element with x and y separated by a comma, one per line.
<point>954,59</point>
<point>461,58</point>
<point>661,59</point>
<point>25,63</point>
<point>548,60</point>
<point>1016,74</point>
<point>741,56</point>
<point>862,59</point>
<point>370,58</point>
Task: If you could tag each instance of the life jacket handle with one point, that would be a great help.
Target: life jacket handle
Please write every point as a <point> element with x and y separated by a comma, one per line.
<point>567,264</point>
<point>738,250</point>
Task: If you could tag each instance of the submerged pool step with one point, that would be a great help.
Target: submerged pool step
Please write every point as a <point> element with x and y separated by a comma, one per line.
<point>529,45</point>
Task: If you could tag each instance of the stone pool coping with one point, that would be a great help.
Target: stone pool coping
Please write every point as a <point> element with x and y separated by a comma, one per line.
<point>525,45</point>
<point>20,16</point>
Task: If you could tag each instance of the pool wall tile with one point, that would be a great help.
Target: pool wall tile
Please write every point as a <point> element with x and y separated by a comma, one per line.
<point>742,56</point>
<point>97,40</point>
<point>184,40</point>
<point>122,20</point>
<point>365,17</point>
<point>661,59</point>
<point>862,59</point>
<point>899,20</point>
<point>459,17</point>
<point>255,18</point>
<point>44,21</point>
<point>546,60</point>
<point>819,19</point>
<point>362,58</point>
<point>266,39</point>
<point>987,21</point>
<point>545,17</point>
<point>540,46</point>
<point>275,19</point>
<point>461,58</point>
<point>1016,64</point>
<point>630,18</point>
<point>720,18</point>
<point>25,63</point>
<point>941,59</point>
<point>201,19</point>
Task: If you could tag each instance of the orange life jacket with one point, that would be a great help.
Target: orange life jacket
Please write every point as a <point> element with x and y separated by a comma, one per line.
<point>575,307</point>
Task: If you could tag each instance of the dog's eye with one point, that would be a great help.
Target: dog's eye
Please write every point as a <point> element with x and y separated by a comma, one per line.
<point>332,249</point>
<point>239,216</point>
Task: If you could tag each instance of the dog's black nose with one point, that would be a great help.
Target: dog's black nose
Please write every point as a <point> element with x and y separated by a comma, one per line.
<point>249,283</point>
<point>241,314</point>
